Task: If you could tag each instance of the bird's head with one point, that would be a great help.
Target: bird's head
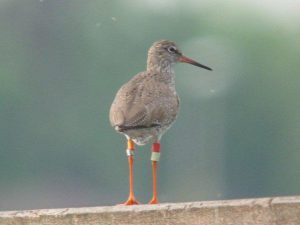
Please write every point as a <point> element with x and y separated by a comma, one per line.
<point>165,53</point>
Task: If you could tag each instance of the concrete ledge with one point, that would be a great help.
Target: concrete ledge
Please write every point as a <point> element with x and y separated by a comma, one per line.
<point>262,211</point>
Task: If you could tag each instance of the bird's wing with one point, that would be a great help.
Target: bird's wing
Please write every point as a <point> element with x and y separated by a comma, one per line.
<point>143,102</point>
<point>126,110</point>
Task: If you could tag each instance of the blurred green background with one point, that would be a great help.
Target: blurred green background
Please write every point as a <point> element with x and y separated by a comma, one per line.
<point>61,63</point>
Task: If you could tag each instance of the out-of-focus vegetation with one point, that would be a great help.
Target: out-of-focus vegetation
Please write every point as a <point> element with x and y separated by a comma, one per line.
<point>61,62</point>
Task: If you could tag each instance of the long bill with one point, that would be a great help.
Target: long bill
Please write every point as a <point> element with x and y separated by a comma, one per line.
<point>185,59</point>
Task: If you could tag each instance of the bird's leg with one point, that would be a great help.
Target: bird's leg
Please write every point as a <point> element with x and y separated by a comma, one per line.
<point>130,152</point>
<point>154,158</point>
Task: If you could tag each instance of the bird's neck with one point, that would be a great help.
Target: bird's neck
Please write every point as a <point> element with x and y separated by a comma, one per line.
<point>163,69</point>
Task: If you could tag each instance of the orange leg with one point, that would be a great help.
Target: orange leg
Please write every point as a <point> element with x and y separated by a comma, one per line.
<point>131,199</point>
<point>155,158</point>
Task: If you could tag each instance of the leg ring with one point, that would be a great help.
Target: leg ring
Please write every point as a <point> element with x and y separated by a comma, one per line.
<point>155,156</point>
<point>129,152</point>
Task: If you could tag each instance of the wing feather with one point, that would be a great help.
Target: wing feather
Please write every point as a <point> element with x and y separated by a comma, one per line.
<point>144,102</point>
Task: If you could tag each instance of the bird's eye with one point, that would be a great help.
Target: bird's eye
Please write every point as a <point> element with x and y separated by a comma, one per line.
<point>172,49</point>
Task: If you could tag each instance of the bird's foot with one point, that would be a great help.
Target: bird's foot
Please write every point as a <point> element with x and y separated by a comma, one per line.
<point>154,200</point>
<point>131,201</point>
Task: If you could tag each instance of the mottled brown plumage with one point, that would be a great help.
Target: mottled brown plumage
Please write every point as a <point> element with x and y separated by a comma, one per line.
<point>147,105</point>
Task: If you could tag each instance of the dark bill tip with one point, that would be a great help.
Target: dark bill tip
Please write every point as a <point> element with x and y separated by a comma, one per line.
<point>185,59</point>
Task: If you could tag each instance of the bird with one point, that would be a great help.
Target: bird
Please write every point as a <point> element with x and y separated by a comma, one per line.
<point>147,105</point>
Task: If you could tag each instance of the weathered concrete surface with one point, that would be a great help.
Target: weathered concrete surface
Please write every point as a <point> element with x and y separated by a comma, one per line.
<point>263,211</point>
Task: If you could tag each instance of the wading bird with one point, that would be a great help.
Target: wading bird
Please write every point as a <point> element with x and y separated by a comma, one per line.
<point>146,106</point>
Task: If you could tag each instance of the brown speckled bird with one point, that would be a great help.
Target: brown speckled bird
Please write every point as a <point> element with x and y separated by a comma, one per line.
<point>147,105</point>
